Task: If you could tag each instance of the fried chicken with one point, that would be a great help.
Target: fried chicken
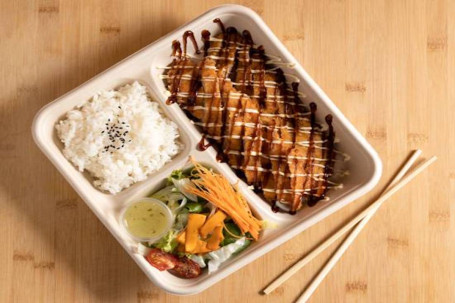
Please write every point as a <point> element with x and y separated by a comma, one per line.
<point>259,125</point>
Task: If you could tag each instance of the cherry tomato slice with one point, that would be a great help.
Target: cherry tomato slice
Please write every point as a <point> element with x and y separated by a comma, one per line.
<point>161,260</point>
<point>186,268</point>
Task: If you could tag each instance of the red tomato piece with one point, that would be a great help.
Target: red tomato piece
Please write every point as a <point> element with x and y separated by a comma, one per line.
<point>186,268</point>
<point>161,260</point>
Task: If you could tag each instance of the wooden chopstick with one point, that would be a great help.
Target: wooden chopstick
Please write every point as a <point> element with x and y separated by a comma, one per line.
<point>300,264</point>
<point>404,169</point>
<point>353,235</point>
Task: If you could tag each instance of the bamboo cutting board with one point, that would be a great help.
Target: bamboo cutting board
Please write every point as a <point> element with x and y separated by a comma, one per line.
<point>388,65</point>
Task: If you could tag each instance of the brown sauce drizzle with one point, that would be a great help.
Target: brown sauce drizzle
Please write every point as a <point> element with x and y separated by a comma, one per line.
<point>233,71</point>
<point>220,23</point>
<point>262,95</point>
<point>176,49</point>
<point>309,157</point>
<point>247,37</point>
<point>296,197</point>
<point>186,35</point>
<point>231,126</point>
<point>205,34</point>
<point>202,146</point>
<point>266,149</point>
<point>231,33</point>
<point>295,92</point>
<point>262,88</point>
<point>229,55</point>
<point>246,78</point>
<point>248,48</point>
<point>175,83</point>
<point>224,102</point>
<point>190,115</point>
<point>274,207</point>
<point>328,167</point>
<point>196,80</point>
<point>220,156</point>
<point>279,182</point>
<point>242,104</point>
<point>196,83</point>
<point>279,80</point>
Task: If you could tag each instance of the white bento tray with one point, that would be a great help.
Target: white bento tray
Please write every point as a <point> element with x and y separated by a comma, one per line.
<point>365,167</point>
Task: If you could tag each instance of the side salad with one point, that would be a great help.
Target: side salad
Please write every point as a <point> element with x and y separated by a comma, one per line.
<point>212,222</point>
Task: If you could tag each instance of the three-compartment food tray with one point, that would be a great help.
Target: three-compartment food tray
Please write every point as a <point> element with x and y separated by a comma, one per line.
<point>364,167</point>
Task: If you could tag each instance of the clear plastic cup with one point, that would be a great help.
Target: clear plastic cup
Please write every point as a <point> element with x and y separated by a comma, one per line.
<point>168,219</point>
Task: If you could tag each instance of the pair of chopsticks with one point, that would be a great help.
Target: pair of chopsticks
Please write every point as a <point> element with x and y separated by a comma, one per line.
<point>359,222</point>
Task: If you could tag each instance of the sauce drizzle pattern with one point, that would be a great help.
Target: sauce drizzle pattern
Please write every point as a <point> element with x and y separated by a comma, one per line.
<point>269,153</point>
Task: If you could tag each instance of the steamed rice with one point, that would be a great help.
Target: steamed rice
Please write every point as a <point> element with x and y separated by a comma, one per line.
<point>119,136</point>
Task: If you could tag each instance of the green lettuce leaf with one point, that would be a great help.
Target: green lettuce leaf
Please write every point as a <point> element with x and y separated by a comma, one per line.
<point>176,174</point>
<point>167,243</point>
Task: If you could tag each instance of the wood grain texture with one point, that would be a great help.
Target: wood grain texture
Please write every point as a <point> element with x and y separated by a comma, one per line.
<point>388,65</point>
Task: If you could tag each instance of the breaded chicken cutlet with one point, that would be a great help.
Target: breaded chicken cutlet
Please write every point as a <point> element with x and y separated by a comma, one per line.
<point>246,110</point>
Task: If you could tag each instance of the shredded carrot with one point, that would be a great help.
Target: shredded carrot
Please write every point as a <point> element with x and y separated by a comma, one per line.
<point>217,190</point>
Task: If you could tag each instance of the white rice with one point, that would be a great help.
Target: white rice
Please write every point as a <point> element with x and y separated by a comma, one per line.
<point>149,139</point>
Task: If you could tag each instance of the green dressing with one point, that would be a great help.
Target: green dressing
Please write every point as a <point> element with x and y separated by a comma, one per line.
<point>146,219</point>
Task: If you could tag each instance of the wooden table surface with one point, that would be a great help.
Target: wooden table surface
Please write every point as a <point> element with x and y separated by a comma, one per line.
<point>388,65</point>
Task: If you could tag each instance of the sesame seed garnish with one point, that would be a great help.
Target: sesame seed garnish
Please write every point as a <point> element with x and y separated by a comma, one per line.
<point>116,134</point>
